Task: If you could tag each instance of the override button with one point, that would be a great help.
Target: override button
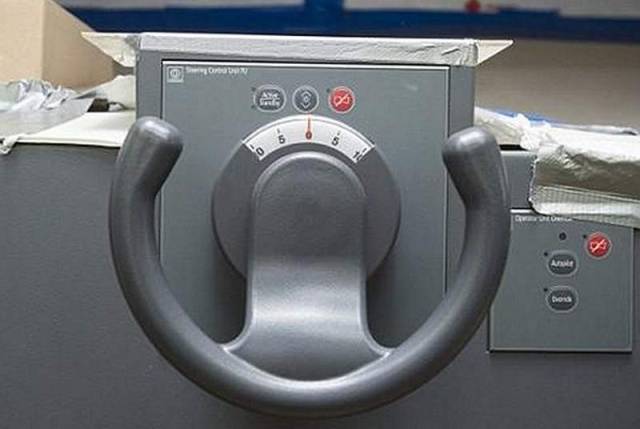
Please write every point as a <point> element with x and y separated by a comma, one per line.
<point>562,299</point>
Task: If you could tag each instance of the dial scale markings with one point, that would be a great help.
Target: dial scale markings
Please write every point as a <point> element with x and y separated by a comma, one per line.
<point>308,129</point>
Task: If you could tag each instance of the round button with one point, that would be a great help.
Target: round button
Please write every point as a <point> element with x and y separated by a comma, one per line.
<point>342,99</point>
<point>598,245</point>
<point>269,98</point>
<point>305,99</point>
<point>562,263</point>
<point>562,299</point>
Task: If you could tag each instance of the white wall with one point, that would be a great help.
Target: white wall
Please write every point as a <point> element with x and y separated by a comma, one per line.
<point>577,82</point>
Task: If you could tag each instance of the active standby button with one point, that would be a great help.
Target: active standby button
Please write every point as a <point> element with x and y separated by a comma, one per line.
<point>269,98</point>
<point>562,263</point>
<point>562,299</point>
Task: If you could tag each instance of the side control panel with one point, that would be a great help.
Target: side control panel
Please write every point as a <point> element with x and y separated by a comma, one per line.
<point>568,285</point>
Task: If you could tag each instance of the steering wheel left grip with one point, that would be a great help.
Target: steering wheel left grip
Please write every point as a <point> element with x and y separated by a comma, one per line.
<point>151,149</point>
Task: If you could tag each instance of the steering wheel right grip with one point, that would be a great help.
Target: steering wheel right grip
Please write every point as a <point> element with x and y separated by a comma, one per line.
<point>151,149</point>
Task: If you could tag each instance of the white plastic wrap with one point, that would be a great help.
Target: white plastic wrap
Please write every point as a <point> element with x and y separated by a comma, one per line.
<point>28,95</point>
<point>38,112</point>
<point>588,173</point>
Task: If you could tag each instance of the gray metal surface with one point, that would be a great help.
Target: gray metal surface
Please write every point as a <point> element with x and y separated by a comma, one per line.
<point>65,332</point>
<point>73,357</point>
<point>519,166</point>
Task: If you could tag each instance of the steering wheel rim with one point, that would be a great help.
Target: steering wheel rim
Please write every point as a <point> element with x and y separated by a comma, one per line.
<point>151,149</point>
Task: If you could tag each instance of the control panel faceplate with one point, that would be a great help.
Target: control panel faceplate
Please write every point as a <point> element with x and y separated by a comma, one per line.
<point>221,107</point>
<point>567,287</point>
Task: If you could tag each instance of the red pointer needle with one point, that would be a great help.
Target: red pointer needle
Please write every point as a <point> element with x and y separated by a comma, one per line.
<point>308,134</point>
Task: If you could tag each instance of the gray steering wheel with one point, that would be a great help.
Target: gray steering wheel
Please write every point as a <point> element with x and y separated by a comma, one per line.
<point>233,372</point>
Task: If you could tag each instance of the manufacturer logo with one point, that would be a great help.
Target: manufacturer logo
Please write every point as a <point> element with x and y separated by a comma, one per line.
<point>175,74</point>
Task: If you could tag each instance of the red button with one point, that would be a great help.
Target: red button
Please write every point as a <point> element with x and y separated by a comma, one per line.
<point>342,99</point>
<point>598,245</point>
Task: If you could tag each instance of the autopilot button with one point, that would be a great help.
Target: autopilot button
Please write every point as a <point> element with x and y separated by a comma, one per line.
<point>562,263</point>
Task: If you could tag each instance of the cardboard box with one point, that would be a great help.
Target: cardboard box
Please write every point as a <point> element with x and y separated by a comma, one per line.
<point>40,40</point>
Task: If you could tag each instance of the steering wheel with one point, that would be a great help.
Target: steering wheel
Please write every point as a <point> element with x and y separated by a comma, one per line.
<point>306,350</point>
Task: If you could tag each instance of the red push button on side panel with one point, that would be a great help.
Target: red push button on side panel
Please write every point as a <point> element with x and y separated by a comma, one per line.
<point>598,245</point>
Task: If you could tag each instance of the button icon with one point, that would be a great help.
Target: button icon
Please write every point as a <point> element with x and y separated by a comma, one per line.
<point>598,245</point>
<point>342,99</point>
<point>269,98</point>
<point>562,263</point>
<point>562,299</point>
<point>305,99</point>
